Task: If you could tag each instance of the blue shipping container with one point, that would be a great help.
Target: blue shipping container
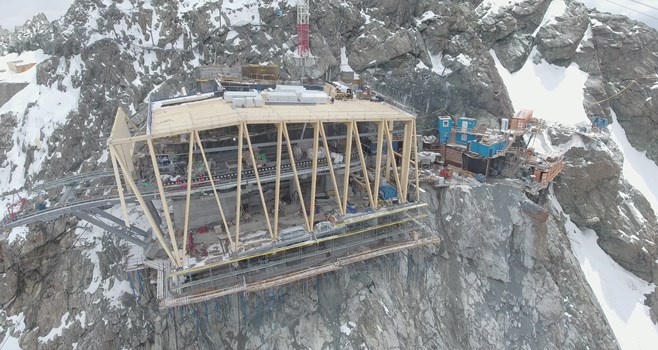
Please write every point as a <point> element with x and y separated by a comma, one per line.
<point>388,192</point>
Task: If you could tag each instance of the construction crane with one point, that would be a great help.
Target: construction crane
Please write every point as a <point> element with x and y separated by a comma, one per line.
<point>16,207</point>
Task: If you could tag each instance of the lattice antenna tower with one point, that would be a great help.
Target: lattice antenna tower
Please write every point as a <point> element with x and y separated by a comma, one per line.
<point>303,14</point>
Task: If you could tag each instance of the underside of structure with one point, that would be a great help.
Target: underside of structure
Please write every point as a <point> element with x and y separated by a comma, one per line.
<point>251,198</point>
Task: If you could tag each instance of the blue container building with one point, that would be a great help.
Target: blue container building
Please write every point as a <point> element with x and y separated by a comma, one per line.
<point>464,132</point>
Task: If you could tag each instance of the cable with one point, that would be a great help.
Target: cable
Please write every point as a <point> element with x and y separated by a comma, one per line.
<point>632,9</point>
<point>613,96</point>
<point>643,4</point>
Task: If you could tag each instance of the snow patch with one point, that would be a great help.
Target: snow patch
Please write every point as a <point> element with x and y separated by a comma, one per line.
<point>347,328</point>
<point>65,323</point>
<point>554,93</point>
<point>438,67</point>
<point>492,7</point>
<point>638,170</point>
<point>344,64</point>
<point>620,293</point>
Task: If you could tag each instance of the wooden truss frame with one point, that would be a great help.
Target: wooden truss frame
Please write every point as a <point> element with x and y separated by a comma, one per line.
<point>396,170</point>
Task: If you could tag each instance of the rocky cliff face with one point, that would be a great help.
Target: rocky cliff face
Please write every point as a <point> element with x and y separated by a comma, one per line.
<point>498,280</point>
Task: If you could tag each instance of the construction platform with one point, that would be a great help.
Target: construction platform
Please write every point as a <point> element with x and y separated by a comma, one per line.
<point>244,191</point>
<point>258,190</point>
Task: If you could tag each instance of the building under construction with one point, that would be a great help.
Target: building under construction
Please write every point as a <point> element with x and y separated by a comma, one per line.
<point>246,191</point>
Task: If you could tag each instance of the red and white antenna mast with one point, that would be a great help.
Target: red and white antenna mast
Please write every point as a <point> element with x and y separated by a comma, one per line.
<point>303,48</point>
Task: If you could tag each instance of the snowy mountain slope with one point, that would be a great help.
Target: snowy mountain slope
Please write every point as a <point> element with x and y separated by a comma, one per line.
<point>620,293</point>
<point>556,93</point>
<point>117,53</point>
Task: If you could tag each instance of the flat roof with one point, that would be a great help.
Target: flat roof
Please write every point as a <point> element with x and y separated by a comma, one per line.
<point>216,113</point>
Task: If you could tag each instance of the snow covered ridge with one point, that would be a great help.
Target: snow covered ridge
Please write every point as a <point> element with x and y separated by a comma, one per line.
<point>38,110</point>
<point>620,293</point>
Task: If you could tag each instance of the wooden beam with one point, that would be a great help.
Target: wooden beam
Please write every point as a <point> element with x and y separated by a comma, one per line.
<point>149,216</point>
<point>331,167</point>
<point>416,161</point>
<point>190,165</point>
<point>277,185</point>
<point>163,200</point>
<point>406,154</point>
<point>348,162</point>
<point>378,161</point>
<point>260,186</point>
<point>238,190</point>
<point>314,171</point>
<point>117,178</point>
<point>388,162</point>
<point>295,176</point>
<point>212,184</point>
<point>396,175</point>
<point>355,129</point>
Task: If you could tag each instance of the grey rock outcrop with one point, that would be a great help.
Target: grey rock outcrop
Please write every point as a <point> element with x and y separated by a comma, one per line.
<point>620,57</point>
<point>502,279</point>
<point>591,191</point>
<point>557,41</point>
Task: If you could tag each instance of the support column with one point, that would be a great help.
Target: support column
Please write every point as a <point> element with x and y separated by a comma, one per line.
<point>295,176</point>
<point>406,155</point>
<point>277,185</point>
<point>378,161</point>
<point>396,175</point>
<point>214,187</point>
<point>364,166</point>
<point>190,165</point>
<point>348,163</point>
<point>260,186</point>
<point>416,162</point>
<point>117,178</point>
<point>331,168</point>
<point>238,190</point>
<point>163,200</point>
<point>314,171</point>
<point>147,212</point>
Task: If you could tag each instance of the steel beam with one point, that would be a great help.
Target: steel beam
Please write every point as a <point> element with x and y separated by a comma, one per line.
<point>120,232</point>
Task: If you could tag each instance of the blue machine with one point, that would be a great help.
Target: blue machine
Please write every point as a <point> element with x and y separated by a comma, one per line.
<point>388,192</point>
<point>445,129</point>
<point>600,122</point>
<point>464,131</point>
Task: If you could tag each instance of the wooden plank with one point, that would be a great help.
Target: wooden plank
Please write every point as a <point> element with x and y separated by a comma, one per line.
<point>378,161</point>
<point>295,176</point>
<point>331,167</point>
<point>163,200</point>
<point>416,162</point>
<point>214,187</point>
<point>355,129</point>
<point>260,186</point>
<point>238,190</point>
<point>348,163</point>
<point>190,164</point>
<point>277,186</point>
<point>149,217</point>
<point>117,178</point>
<point>314,171</point>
